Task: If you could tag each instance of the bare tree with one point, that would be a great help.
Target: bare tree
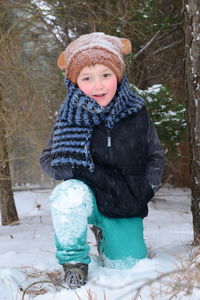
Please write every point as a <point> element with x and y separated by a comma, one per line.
<point>7,204</point>
<point>192,87</point>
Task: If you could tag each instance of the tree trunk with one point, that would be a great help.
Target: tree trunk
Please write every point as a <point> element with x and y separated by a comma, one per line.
<point>192,88</point>
<point>7,204</point>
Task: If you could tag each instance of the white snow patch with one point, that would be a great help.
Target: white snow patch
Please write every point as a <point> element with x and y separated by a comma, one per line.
<point>29,247</point>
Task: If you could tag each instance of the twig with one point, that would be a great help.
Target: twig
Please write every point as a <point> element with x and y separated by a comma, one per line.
<point>77,295</point>
<point>147,44</point>
<point>38,282</point>
<point>172,45</point>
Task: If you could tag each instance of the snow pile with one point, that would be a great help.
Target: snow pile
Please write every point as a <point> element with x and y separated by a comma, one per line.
<point>27,254</point>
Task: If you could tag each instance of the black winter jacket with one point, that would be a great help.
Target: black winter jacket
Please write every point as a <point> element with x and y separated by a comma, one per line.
<point>129,163</point>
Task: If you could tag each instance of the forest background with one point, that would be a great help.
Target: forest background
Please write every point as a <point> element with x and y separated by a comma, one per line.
<point>33,33</point>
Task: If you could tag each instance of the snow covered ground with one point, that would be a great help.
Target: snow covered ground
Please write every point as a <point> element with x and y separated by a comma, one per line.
<point>27,255</point>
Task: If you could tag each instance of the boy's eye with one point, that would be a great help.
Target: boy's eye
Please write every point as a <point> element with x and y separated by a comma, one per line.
<point>106,75</point>
<point>86,78</point>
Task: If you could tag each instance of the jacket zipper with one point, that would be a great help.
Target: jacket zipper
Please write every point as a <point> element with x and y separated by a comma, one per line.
<point>109,143</point>
<point>110,155</point>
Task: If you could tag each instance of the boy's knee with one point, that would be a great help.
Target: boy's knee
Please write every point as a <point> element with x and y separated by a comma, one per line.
<point>70,193</point>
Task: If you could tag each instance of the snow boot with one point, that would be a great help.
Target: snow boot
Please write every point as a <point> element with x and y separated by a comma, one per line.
<point>75,275</point>
<point>98,236</point>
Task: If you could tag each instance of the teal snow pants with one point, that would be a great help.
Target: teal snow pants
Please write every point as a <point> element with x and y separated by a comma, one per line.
<point>73,207</point>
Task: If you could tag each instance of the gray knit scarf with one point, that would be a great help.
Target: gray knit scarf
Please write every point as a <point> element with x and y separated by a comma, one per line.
<point>77,117</point>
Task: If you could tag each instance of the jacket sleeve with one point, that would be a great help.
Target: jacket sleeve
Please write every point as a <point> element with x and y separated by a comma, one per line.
<point>59,173</point>
<point>155,158</point>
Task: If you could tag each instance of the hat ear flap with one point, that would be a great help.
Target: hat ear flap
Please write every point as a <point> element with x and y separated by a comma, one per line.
<point>126,46</point>
<point>61,61</point>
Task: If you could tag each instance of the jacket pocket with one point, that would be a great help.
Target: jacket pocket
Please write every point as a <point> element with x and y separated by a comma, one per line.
<point>142,190</point>
<point>131,196</point>
<point>125,196</point>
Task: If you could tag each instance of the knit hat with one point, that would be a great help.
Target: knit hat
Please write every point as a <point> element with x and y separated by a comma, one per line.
<point>94,48</point>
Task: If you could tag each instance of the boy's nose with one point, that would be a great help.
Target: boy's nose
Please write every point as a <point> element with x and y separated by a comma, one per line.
<point>98,84</point>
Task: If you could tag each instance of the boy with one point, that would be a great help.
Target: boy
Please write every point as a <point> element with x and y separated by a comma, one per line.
<point>106,150</point>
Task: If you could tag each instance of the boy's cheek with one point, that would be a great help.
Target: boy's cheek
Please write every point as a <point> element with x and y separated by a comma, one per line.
<point>113,84</point>
<point>84,89</point>
<point>113,87</point>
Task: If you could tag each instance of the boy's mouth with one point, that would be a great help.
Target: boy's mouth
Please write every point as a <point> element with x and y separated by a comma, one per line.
<point>100,95</point>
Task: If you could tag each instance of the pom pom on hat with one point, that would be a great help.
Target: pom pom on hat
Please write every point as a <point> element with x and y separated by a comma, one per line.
<point>94,48</point>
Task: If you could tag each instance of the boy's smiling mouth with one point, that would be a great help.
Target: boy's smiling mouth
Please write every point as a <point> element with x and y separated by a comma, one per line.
<point>100,95</point>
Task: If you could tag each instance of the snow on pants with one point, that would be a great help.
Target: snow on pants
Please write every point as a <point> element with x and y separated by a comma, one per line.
<point>73,207</point>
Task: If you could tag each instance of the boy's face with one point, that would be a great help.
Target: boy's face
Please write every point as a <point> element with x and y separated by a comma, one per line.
<point>98,82</point>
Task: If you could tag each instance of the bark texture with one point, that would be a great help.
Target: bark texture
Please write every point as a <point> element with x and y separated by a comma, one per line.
<point>7,204</point>
<point>192,82</point>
